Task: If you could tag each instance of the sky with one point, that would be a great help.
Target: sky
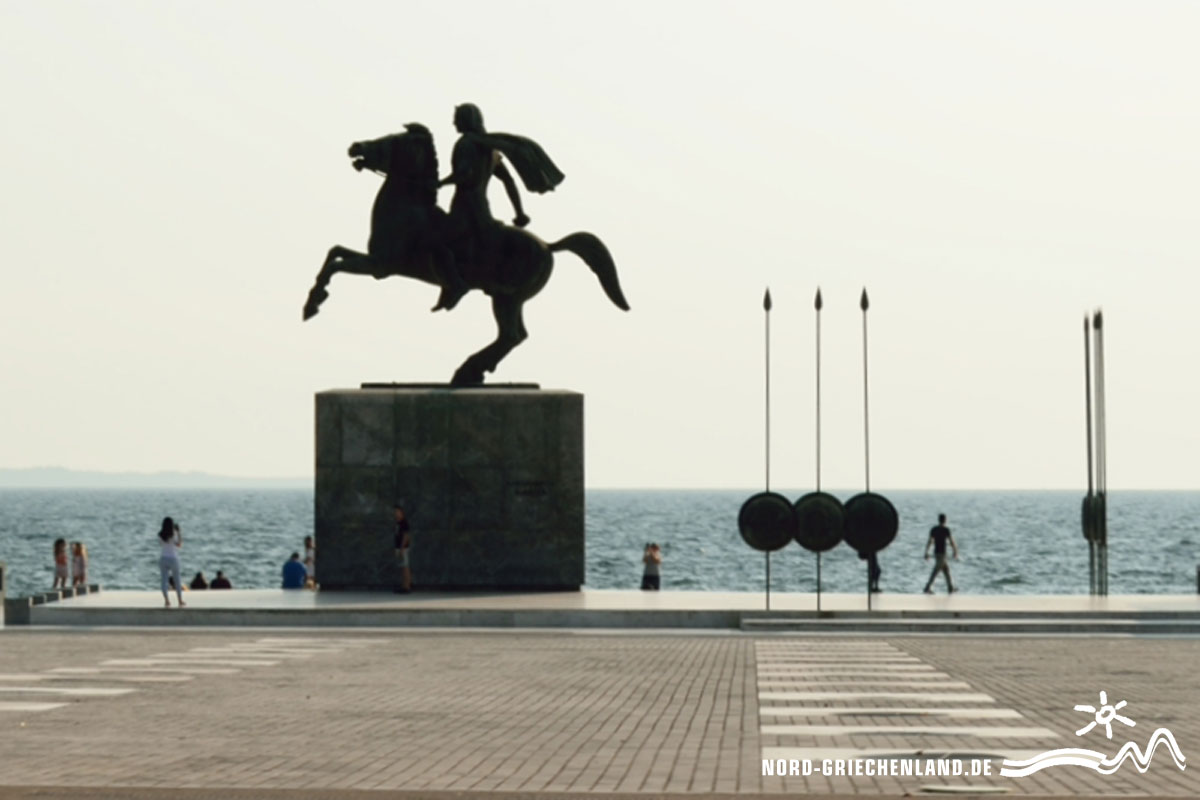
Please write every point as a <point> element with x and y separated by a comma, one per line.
<point>172,174</point>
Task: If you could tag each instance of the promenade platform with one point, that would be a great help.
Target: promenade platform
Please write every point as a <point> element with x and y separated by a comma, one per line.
<point>616,609</point>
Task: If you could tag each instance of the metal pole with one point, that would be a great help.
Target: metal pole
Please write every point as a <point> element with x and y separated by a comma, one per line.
<point>1101,452</point>
<point>817,303</point>
<point>864,304</point>
<point>868,583</point>
<point>767,391</point>
<point>767,418</point>
<point>819,582</point>
<point>1087,399</point>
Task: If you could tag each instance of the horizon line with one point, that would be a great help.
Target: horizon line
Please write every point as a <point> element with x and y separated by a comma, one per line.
<point>133,475</point>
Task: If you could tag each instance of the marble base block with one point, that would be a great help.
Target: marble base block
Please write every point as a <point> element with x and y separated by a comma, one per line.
<point>491,481</point>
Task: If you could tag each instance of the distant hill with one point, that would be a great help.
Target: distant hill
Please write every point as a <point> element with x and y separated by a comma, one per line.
<point>62,478</point>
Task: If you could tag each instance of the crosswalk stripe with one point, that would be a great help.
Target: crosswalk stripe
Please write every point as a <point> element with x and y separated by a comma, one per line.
<point>803,646</point>
<point>863,682</point>
<point>262,648</point>
<point>942,697</point>
<point>211,658</point>
<point>856,659</point>
<point>776,675</point>
<point>147,670</point>
<point>83,691</point>
<point>204,652</point>
<point>133,662</point>
<point>817,754</point>
<point>977,731</point>
<point>17,705</point>
<point>957,713</point>
<point>310,640</point>
<point>771,667</point>
<point>827,650</point>
<point>126,679</point>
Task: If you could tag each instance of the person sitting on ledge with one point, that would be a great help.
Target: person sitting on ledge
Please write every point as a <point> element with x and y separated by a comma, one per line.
<point>220,582</point>
<point>199,582</point>
<point>294,573</point>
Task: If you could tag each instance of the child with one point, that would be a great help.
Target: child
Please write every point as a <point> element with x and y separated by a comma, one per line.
<point>79,565</point>
<point>60,564</point>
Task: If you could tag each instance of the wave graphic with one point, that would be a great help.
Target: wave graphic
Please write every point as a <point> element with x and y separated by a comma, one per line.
<point>1094,760</point>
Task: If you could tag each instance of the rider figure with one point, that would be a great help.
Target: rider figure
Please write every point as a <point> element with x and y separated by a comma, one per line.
<point>474,161</point>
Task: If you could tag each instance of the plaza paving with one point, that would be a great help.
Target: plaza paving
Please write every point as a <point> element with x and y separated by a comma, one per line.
<point>352,713</point>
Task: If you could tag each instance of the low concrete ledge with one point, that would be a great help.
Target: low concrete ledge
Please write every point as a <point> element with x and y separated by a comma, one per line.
<point>625,609</point>
<point>784,617</point>
<point>67,615</point>
<point>1045,625</point>
<point>17,610</point>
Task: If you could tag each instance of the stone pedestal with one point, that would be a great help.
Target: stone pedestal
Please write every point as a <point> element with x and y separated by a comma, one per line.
<point>491,481</point>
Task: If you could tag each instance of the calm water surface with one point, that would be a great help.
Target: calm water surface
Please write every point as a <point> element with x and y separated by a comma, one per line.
<point>1011,542</point>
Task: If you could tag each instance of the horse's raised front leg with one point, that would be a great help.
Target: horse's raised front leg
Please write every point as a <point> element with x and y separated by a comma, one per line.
<point>339,259</point>
<point>510,333</point>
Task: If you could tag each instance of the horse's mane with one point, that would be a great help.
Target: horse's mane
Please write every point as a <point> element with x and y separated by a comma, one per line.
<point>424,137</point>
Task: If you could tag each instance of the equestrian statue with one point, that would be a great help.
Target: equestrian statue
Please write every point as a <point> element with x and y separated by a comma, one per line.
<point>466,248</point>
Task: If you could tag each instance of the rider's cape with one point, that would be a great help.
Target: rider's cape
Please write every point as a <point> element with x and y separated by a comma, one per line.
<point>537,171</point>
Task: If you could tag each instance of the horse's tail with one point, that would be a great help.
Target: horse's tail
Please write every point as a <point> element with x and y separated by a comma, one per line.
<point>596,256</point>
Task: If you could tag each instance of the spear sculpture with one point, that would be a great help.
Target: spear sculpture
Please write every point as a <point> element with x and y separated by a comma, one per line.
<point>871,519</point>
<point>767,389</point>
<point>864,304</point>
<point>767,520</point>
<point>817,304</point>
<point>820,517</point>
<point>1089,501</point>
<point>767,416</point>
<point>1101,459</point>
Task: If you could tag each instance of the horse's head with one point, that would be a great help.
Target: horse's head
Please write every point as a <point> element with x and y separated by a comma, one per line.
<point>408,155</point>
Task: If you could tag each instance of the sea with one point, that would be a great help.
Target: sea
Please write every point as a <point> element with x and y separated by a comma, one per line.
<point>1010,542</point>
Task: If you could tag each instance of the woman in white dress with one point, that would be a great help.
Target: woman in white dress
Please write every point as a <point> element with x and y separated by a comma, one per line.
<point>170,540</point>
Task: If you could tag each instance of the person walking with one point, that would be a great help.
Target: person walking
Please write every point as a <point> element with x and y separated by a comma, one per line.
<point>170,539</point>
<point>403,542</point>
<point>652,569</point>
<point>938,536</point>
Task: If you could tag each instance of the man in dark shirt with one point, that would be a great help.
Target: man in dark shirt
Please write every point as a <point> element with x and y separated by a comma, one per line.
<point>294,573</point>
<point>220,582</point>
<point>403,541</point>
<point>938,536</point>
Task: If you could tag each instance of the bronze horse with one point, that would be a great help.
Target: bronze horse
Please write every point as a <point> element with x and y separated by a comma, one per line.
<point>409,238</point>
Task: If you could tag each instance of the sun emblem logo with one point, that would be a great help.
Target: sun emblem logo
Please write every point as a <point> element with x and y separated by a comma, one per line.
<point>1104,716</point>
